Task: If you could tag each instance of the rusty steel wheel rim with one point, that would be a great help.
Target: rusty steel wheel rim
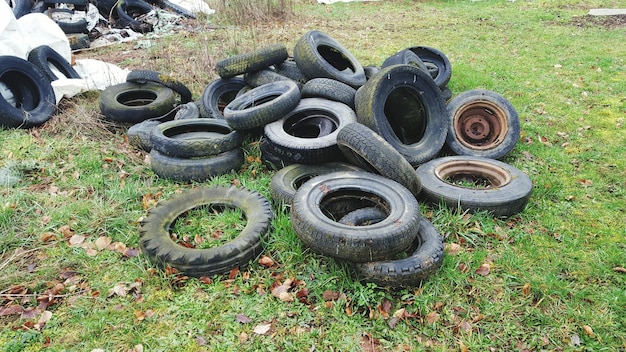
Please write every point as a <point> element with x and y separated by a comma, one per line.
<point>480,125</point>
<point>455,170</point>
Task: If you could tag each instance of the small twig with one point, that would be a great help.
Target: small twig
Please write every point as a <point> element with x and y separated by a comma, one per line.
<point>36,295</point>
<point>16,255</point>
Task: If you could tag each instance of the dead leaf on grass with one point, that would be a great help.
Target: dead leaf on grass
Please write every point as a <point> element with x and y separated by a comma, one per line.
<point>620,269</point>
<point>262,329</point>
<point>588,330</point>
<point>76,240</point>
<point>526,289</point>
<point>103,242</point>
<point>242,318</point>
<point>483,269</point>
<point>266,261</point>
<point>452,248</point>
<point>432,317</point>
<point>329,295</point>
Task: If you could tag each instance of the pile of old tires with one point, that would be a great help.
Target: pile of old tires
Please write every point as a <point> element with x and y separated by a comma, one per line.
<point>354,148</point>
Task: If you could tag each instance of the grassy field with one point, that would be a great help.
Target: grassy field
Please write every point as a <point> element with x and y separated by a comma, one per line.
<point>550,278</point>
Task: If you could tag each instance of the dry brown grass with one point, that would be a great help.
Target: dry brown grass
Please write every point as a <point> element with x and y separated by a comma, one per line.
<point>251,12</point>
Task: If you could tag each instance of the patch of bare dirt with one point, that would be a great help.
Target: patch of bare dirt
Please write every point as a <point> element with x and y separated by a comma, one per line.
<point>608,22</point>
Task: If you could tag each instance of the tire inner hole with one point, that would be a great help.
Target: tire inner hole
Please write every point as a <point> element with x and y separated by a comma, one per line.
<point>310,124</point>
<point>335,58</point>
<point>337,204</point>
<point>208,226</point>
<point>136,98</point>
<point>406,114</point>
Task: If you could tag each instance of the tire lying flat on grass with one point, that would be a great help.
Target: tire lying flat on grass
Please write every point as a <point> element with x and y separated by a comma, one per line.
<point>475,184</point>
<point>197,169</point>
<point>143,76</point>
<point>161,250</point>
<point>135,102</point>
<point>482,123</point>
<point>321,201</point>
<point>32,102</point>
<point>423,261</point>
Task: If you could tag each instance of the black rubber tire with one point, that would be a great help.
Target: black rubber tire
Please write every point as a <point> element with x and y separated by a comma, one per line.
<point>287,180</point>
<point>219,93</point>
<point>139,135</point>
<point>356,244</point>
<point>78,41</point>
<point>127,12</point>
<point>157,245</point>
<point>201,169</point>
<point>189,138</point>
<point>446,93</point>
<point>482,123</point>
<point>79,26</point>
<point>261,77</point>
<point>33,101</point>
<point>143,76</point>
<point>330,89</point>
<point>371,71</point>
<point>412,270</point>
<point>442,69</point>
<point>20,7</point>
<point>320,56</point>
<point>43,56</point>
<point>308,133</point>
<point>106,7</point>
<point>363,216</point>
<point>269,158</point>
<point>289,68</point>
<point>368,150</point>
<point>508,195</point>
<point>251,61</point>
<point>132,102</point>
<point>405,57</point>
<point>404,105</point>
<point>262,105</point>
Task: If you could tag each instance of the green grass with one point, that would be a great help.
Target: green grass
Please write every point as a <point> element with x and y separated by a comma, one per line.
<point>551,280</point>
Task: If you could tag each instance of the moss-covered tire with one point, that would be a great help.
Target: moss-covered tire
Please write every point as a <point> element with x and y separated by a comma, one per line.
<point>262,105</point>
<point>494,186</point>
<point>198,137</point>
<point>251,61</point>
<point>139,135</point>
<point>330,89</point>
<point>425,260</point>
<point>32,102</point>
<point>404,105</point>
<point>321,201</point>
<point>261,77</point>
<point>368,150</point>
<point>161,250</point>
<point>320,56</point>
<point>142,76</point>
<point>43,56</point>
<point>287,180</point>
<point>482,123</point>
<point>132,102</point>
<point>200,169</point>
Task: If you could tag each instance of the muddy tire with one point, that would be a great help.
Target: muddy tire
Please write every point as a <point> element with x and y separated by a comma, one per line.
<point>33,101</point>
<point>287,180</point>
<point>368,150</point>
<point>161,250</point>
<point>43,56</point>
<point>320,56</point>
<point>405,107</point>
<point>143,76</point>
<point>318,205</point>
<point>131,102</point>
<point>191,138</point>
<point>251,61</point>
<point>140,134</point>
<point>262,105</point>
<point>424,261</point>
<point>495,187</point>
<point>482,123</point>
<point>199,169</point>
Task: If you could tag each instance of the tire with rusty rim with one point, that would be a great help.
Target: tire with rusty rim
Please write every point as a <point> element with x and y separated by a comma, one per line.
<point>475,184</point>
<point>424,259</point>
<point>164,252</point>
<point>482,123</point>
<point>322,201</point>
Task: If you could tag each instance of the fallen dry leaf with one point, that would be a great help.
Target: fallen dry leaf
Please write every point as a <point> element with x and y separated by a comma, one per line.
<point>262,329</point>
<point>48,237</point>
<point>43,319</point>
<point>620,269</point>
<point>12,309</point>
<point>266,261</point>
<point>432,317</point>
<point>329,295</point>
<point>242,318</point>
<point>463,268</point>
<point>103,242</point>
<point>585,182</point>
<point>76,240</point>
<point>483,269</point>
<point>452,248</point>
<point>588,330</point>
<point>526,289</point>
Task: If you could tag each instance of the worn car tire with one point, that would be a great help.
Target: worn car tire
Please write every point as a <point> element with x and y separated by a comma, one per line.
<point>425,260</point>
<point>33,101</point>
<point>320,56</point>
<point>368,150</point>
<point>251,61</point>
<point>197,169</point>
<point>261,77</point>
<point>161,250</point>
<point>506,193</point>
<point>319,203</point>
<point>363,216</point>
<point>262,105</point>
<point>219,93</point>
<point>405,57</point>
<point>404,105</point>
<point>20,7</point>
<point>139,135</point>
<point>143,76</point>
<point>482,123</point>
<point>287,180</point>
<point>308,133</point>
<point>437,63</point>
<point>330,89</point>
<point>289,68</point>
<point>134,102</point>
<point>64,19</point>
<point>43,56</point>
<point>198,137</point>
<point>127,12</point>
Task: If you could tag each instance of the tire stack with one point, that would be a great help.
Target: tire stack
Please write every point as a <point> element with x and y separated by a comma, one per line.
<point>354,148</point>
